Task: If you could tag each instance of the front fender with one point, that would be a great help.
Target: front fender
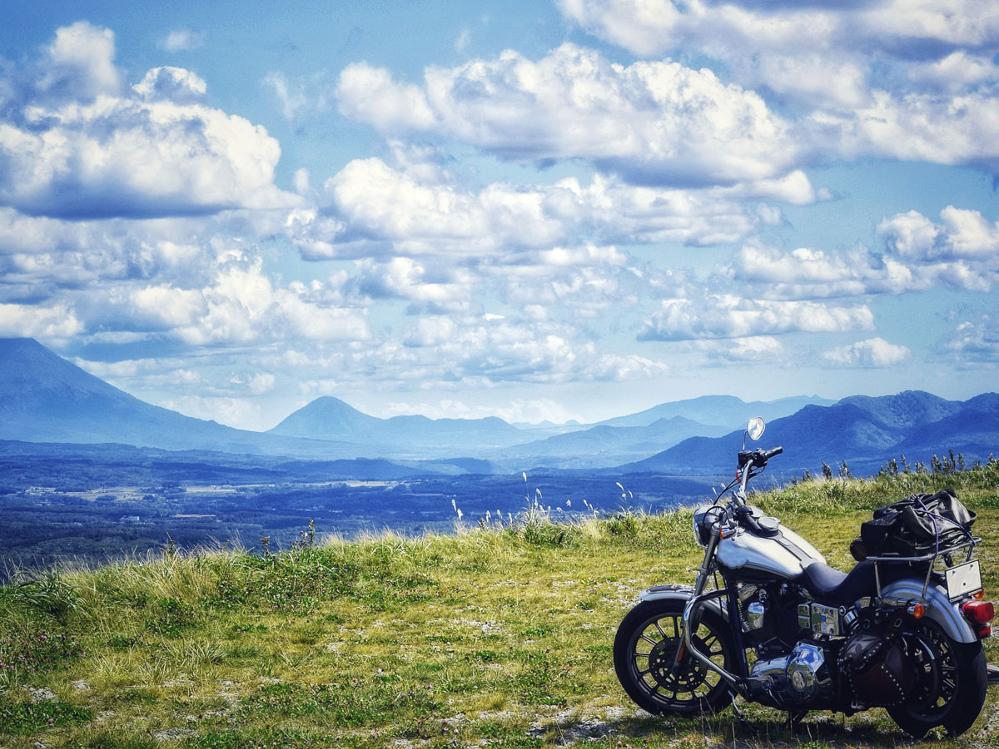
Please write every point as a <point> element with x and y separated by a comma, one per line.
<point>939,607</point>
<point>682,593</point>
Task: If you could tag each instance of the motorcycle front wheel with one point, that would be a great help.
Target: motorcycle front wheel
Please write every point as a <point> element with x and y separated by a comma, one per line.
<point>644,654</point>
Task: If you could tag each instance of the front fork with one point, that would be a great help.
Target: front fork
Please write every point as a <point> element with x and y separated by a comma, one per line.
<point>691,614</point>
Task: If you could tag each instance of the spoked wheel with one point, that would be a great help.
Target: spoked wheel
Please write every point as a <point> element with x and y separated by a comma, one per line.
<point>950,685</point>
<point>645,653</point>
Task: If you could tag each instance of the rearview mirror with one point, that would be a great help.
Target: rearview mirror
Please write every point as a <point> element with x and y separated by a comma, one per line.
<point>755,428</point>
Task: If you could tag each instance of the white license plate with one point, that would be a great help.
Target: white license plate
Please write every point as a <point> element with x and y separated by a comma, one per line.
<point>964,579</point>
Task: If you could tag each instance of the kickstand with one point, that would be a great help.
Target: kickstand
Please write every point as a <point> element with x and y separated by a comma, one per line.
<point>794,718</point>
<point>738,712</point>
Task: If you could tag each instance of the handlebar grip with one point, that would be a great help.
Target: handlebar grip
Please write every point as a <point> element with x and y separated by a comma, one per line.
<point>771,453</point>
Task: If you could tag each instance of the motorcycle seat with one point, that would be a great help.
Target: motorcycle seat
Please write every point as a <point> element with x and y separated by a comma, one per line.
<point>835,588</point>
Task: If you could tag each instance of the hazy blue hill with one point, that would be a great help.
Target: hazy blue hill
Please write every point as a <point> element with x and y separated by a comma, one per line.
<point>864,431</point>
<point>716,409</point>
<point>605,445</point>
<point>326,418</point>
<point>45,398</point>
<point>906,409</point>
<point>971,429</point>
<point>331,418</point>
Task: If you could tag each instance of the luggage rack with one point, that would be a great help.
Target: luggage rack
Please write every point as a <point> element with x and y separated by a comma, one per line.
<point>970,543</point>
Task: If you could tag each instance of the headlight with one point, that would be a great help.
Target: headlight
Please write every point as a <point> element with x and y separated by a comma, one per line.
<point>702,524</point>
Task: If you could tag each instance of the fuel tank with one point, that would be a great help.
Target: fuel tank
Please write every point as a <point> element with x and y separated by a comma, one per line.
<point>784,555</point>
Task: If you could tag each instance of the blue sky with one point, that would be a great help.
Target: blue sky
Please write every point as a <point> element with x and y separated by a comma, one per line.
<point>540,211</point>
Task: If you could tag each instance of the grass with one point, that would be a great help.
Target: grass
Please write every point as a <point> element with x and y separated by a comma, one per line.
<point>497,636</point>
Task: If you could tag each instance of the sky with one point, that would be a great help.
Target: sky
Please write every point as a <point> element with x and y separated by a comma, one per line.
<point>541,211</point>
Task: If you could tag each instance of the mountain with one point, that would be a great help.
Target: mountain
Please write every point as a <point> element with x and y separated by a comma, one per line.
<point>328,418</point>
<point>603,445</point>
<point>717,409</point>
<point>864,431</point>
<point>44,398</point>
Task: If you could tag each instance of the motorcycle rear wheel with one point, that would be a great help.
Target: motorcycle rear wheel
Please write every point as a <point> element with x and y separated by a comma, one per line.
<point>962,668</point>
<point>644,651</point>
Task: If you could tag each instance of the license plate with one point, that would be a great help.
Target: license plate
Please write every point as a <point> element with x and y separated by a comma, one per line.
<point>964,579</point>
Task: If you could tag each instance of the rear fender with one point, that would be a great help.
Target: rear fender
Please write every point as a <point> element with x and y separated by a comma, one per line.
<point>939,607</point>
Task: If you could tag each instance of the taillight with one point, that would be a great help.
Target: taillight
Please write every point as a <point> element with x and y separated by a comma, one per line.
<point>980,615</point>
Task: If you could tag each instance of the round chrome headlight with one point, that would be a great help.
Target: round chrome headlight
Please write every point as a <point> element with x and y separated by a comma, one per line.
<point>702,524</point>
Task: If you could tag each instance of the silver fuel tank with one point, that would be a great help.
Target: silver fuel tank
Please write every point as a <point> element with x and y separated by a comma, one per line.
<point>784,555</point>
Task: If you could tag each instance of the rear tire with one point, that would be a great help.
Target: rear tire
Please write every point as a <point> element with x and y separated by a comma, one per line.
<point>643,655</point>
<point>969,668</point>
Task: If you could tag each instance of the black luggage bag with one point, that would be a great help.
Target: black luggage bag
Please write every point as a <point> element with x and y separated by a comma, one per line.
<point>918,525</point>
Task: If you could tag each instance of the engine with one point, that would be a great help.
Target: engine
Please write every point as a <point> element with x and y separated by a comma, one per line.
<point>810,654</point>
<point>803,676</point>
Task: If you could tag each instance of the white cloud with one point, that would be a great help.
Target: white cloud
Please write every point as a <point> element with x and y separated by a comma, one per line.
<point>182,40</point>
<point>79,147</point>
<point>240,305</point>
<point>741,350</point>
<point>369,94</point>
<point>175,84</point>
<point>975,341</point>
<point>962,234</point>
<point>54,322</point>
<point>956,71</point>
<point>370,207</point>
<point>873,352</point>
<point>79,63</point>
<point>728,316</point>
<point>962,252</point>
<point>807,51</point>
<point>655,122</point>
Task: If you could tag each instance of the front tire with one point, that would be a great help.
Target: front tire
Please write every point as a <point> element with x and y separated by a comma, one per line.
<point>957,705</point>
<point>644,649</point>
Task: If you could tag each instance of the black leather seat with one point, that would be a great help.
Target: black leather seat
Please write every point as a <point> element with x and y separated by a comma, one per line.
<point>834,588</point>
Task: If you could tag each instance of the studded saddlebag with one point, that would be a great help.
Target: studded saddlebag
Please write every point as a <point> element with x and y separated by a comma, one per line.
<point>875,669</point>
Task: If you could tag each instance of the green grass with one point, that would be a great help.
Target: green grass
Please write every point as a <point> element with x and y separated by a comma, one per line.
<point>492,637</point>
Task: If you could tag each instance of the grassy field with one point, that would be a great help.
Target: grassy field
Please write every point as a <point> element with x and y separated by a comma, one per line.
<point>492,637</point>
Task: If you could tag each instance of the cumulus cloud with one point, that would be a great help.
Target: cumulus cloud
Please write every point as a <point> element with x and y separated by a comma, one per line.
<point>494,348</point>
<point>240,305</point>
<point>975,341</point>
<point>873,353</point>
<point>961,234</point>
<point>79,147</point>
<point>808,51</point>
<point>176,84</point>
<point>729,316</point>
<point>961,252</point>
<point>371,207</point>
<point>53,322</point>
<point>845,69</point>
<point>79,63</point>
<point>654,122</point>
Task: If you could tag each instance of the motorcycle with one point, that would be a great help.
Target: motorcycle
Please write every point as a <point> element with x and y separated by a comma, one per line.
<point>902,630</point>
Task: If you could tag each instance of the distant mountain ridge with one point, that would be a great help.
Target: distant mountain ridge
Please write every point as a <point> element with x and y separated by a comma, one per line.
<point>330,418</point>
<point>45,398</point>
<point>862,430</point>
<point>717,409</point>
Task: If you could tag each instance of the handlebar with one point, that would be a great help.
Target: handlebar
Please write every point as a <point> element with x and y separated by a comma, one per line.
<point>772,453</point>
<point>757,457</point>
